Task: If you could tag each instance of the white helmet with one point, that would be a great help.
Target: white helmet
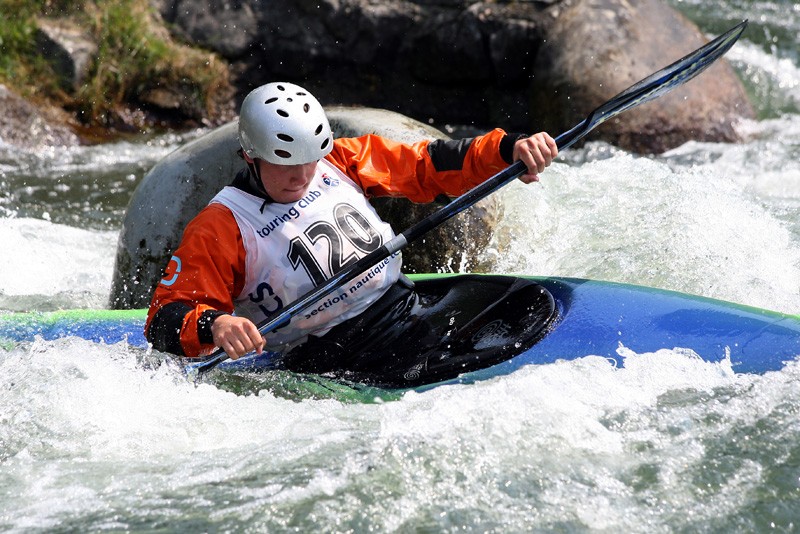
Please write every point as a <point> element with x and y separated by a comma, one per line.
<point>284,124</point>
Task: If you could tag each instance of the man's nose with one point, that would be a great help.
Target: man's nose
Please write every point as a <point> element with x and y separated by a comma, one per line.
<point>307,171</point>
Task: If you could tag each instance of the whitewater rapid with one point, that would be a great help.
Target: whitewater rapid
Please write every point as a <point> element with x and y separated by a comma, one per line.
<point>98,436</point>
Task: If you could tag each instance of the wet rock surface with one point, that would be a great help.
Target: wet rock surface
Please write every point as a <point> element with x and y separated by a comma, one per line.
<point>524,66</point>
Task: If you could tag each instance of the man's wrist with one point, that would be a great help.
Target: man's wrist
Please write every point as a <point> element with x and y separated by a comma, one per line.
<point>507,146</point>
<point>204,323</point>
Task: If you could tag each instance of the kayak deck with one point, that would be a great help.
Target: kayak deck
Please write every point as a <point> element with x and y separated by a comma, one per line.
<point>444,328</point>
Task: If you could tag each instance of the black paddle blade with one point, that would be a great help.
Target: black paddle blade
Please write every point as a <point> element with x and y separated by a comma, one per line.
<point>655,85</point>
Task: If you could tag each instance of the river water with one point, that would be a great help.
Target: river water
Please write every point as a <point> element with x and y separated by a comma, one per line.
<point>109,437</point>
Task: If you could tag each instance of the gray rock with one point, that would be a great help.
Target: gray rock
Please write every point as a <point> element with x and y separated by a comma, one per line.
<point>29,127</point>
<point>620,43</point>
<point>523,66</point>
<point>450,61</point>
<point>180,185</point>
<point>68,48</point>
<point>227,27</point>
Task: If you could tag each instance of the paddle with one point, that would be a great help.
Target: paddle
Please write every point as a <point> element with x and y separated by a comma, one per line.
<point>646,90</point>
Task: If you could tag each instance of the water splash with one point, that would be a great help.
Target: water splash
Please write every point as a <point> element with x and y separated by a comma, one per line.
<point>97,436</point>
<point>638,220</point>
<point>53,266</point>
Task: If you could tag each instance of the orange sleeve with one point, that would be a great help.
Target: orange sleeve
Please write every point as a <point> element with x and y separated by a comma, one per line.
<point>383,167</point>
<point>205,273</point>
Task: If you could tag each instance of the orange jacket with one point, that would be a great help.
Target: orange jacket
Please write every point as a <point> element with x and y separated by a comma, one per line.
<point>212,255</point>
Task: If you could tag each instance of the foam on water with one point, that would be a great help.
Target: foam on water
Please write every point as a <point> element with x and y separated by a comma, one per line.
<point>84,420</point>
<point>101,436</point>
<point>638,220</point>
<point>56,161</point>
<point>50,266</point>
<point>723,228</point>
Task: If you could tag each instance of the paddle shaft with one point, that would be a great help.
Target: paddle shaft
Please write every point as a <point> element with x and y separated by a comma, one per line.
<point>643,91</point>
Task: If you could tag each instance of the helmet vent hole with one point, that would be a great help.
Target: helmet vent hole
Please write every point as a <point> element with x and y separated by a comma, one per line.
<point>306,108</point>
<point>271,100</point>
<point>283,154</point>
<point>281,88</point>
<point>324,144</point>
<point>286,138</point>
<point>318,130</point>
<point>282,113</point>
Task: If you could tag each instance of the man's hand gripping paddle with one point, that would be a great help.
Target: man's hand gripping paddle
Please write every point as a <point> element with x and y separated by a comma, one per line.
<point>648,89</point>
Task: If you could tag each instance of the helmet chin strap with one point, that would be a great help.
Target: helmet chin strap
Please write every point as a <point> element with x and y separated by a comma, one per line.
<point>255,174</point>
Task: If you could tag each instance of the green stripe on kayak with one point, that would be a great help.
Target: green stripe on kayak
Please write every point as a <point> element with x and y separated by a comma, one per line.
<point>80,315</point>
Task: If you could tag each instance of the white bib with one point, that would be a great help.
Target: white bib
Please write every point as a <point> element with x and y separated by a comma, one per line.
<point>292,248</point>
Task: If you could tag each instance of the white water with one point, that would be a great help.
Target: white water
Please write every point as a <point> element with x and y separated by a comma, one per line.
<point>667,443</point>
<point>710,229</point>
<point>96,437</point>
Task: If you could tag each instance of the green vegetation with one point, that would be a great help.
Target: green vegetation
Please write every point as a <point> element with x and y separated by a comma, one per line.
<point>135,56</point>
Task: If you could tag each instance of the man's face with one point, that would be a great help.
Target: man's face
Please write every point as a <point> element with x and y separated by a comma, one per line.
<point>286,183</point>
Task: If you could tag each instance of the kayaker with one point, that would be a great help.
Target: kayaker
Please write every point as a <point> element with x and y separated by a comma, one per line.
<point>296,214</point>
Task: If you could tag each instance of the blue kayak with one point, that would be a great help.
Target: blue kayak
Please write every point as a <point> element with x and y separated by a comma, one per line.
<point>475,327</point>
